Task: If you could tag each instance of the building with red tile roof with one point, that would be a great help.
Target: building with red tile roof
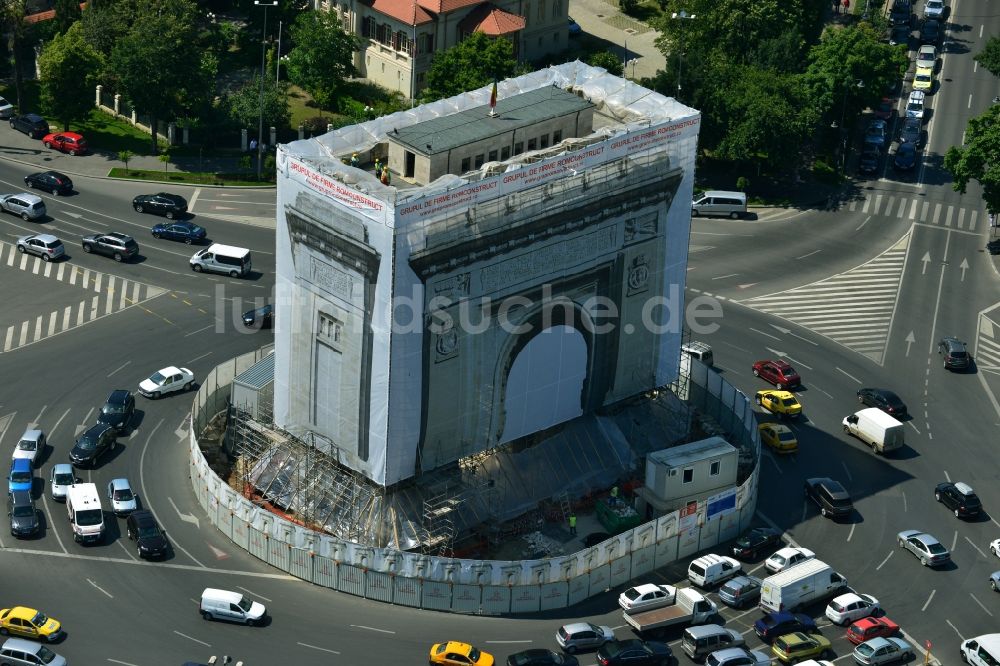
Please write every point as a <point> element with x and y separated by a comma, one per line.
<point>400,37</point>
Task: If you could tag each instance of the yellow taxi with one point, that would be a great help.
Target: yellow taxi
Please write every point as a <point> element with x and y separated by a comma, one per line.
<point>781,403</point>
<point>923,79</point>
<point>454,653</point>
<point>778,437</point>
<point>27,622</point>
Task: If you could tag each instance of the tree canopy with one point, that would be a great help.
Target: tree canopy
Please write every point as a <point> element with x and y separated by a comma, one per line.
<point>979,158</point>
<point>476,61</point>
<point>323,56</point>
<point>244,104</point>
<point>69,66</point>
<point>989,57</point>
<point>67,14</point>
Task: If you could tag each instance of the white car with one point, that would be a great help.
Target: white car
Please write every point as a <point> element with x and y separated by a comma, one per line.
<point>121,497</point>
<point>934,9</point>
<point>788,557</point>
<point>915,104</point>
<point>61,479</point>
<point>6,109</point>
<point>850,607</point>
<point>995,547</point>
<point>167,380</point>
<point>927,56</point>
<point>646,597</point>
<point>30,445</point>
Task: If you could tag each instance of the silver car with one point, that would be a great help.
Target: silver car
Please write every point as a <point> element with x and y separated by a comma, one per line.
<point>60,480</point>
<point>740,591</point>
<point>46,246</point>
<point>583,636</point>
<point>30,446</point>
<point>121,497</point>
<point>738,656</point>
<point>995,581</point>
<point>28,206</point>
<point>926,548</point>
<point>883,650</point>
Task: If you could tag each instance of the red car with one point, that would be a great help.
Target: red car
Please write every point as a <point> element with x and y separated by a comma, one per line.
<point>779,373</point>
<point>884,109</point>
<point>67,142</point>
<point>870,627</point>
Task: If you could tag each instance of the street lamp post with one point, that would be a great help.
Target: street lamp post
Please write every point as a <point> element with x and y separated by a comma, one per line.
<point>260,118</point>
<point>682,15</point>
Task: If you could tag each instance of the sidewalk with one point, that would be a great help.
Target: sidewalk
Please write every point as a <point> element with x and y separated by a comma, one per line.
<point>604,20</point>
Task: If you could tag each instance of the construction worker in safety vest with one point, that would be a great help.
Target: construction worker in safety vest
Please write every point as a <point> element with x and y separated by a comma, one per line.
<point>572,524</point>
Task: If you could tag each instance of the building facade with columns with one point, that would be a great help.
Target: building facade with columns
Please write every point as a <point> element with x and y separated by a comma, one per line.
<point>526,267</point>
<point>400,37</point>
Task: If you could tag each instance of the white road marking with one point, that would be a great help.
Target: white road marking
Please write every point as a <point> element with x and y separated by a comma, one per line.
<point>187,335</point>
<point>956,629</point>
<point>361,626</point>
<point>507,642</point>
<point>810,254</point>
<point>813,386</point>
<point>851,533</point>
<point>95,585</point>
<point>904,501</point>
<point>56,426</point>
<point>928,602</point>
<point>198,358</point>
<point>121,367</point>
<point>973,544</point>
<point>850,478</point>
<point>723,277</point>
<point>863,223</point>
<point>123,663</point>
<point>846,374</point>
<point>954,541</point>
<point>947,477</point>
<point>186,517</point>
<point>767,335</point>
<point>51,523</point>
<point>913,426</point>
<point>885,560</point>
<point>314,647</point>
<point>194,639</point>
<point>981,604</point>
<point>259,596</point>
<point>127,552</point>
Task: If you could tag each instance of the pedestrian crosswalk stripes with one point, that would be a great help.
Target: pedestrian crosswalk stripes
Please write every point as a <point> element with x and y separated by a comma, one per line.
<point>987,351</point>
<point>902,207</point>
<point>111,294</point>
<point>853,308</point>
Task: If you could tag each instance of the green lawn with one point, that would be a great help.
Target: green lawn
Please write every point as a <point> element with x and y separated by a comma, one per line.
<point>189,178</point>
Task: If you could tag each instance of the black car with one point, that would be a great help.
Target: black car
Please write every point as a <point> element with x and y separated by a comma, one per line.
<point>993,246</point>
<point>900,34</point>
<point>187,232</point>
<point>540,657</point>
<point>150,541</point>
<point>912,132</point>
<point>902,12</point>
<point>773,625</point>
<point>113,244</point>
<point>868,163</point>
<point>118,411</point>
<point>89,447</point>
<point>634,652</point>
<point>261,317</point>
<point>161,203</point>
<point>930,32</point>
<point>955,355</point>
<point>960,498</point>
<point>31,124</point>
<point>905,157</point>
<point>755,542</point>
<point>23,517</point>
<point>884,399</point>
<point>831,497</point>
<point>53,181</point>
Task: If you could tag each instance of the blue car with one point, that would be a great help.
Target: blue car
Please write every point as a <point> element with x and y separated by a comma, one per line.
<point>906,157</point>
<point>773,625</point>
<point>187,232</point>
<point>20,475</point>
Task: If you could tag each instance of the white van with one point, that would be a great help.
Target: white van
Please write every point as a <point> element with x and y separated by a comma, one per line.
<point>711,570</point>
<point>982,650</point>
<point>875,428</point>
<point>83,504</point>
<point>226,259</point>
<point>699,351</point>
<point>800,586</point>
<point>730,204</point>
<point>231,606</point>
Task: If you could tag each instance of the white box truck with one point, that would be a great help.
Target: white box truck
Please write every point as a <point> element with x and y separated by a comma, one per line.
<point>686,606</point>
<point>799,586</point>
<point>83,504</point>
<point>875,428</point>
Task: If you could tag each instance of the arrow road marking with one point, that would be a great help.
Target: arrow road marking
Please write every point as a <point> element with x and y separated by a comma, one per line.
<point>784,355</point>
<point>788,331</point>
<point>746,286</point>
<point>766,335</point>
<point>5,422</point>
<point>84,424</point>
<point>218,552</point>
<point>926,259</point>
<point>964,266</point>
<point>182,430</point>
<point>95,585</point>
<point>909,341</point>
<point>186,517</point>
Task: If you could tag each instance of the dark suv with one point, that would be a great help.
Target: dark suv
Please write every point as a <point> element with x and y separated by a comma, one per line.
<point>960,498</point>
<point>53,181</point>
<point>955,355</point>
<point>170,206</point>
<point>89,447</point>
<point>23,517</point>
<point>833,500</point>
<point>113,244</point>
<point>758,540</point>
<point>117,412</point>
<point>883,399</point>
<point>902,12</point>
<point>150,541</point>
<point>31,124</point>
